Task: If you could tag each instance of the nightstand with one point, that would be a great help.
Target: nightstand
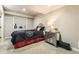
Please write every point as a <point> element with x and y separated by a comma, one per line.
<point>53,37</point>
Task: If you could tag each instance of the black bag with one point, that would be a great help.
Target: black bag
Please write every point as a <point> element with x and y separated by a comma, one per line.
<point>64,45</point>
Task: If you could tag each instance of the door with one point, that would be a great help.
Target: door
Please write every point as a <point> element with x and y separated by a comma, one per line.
<point>8,23</point>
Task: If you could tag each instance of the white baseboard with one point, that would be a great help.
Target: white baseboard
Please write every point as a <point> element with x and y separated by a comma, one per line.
<point>75,49</point>
<point>7,37</point>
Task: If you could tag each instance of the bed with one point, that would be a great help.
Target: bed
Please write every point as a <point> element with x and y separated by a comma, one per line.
<point>25,37</point>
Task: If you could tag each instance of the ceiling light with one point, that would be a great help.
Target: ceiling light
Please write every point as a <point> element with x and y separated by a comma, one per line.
<point>24,9</point>
<point>49,5</point>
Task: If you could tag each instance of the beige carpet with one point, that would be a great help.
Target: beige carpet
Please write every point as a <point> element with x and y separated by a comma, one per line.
<point>40,48</point>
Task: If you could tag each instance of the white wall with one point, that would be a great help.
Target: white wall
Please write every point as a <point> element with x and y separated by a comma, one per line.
<point>39,19</point>
<point>68,24</point>
<point>67,21</point>
<point>20,21</point>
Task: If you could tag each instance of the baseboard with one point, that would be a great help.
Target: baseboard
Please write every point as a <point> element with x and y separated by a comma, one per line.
<point>75,49</point>
<point>7,37</point>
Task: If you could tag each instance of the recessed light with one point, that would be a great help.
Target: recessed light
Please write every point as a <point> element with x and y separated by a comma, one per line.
<point>24,9</point>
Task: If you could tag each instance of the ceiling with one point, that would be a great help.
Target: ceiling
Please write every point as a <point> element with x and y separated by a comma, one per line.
<point>31,10</point>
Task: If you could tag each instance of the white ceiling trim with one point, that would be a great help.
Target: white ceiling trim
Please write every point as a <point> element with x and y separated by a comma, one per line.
<point>17,14</point>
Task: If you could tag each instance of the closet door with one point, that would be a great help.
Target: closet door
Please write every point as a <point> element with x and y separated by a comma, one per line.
<point>20,23</point>
<point>0,26</point>
<point>8,26</point>
<point>29,24</point>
